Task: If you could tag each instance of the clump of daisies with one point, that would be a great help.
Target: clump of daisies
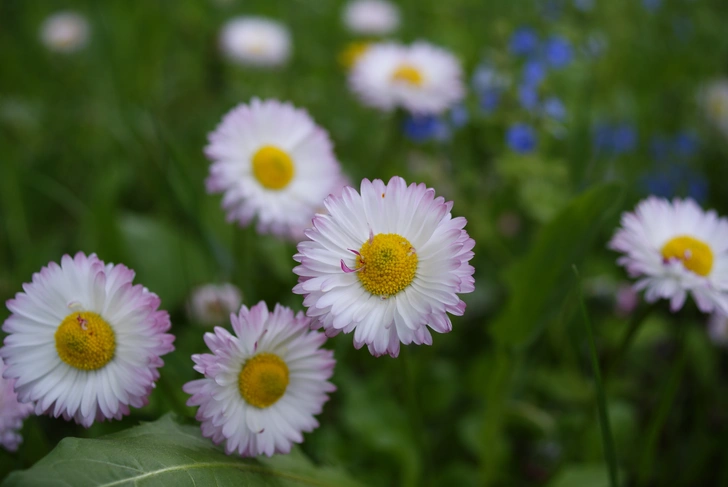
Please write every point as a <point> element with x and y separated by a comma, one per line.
<point>263,383</point>
<point>371,17</point>
<point>83,341</point>
<point>12,413</point>
<point>675,248</point>
<point>386,264</point>
<point>65,32</point>
<point>255,41</point>
<point>420,78</point>
<point>272,163</point>
<point>211,304</point>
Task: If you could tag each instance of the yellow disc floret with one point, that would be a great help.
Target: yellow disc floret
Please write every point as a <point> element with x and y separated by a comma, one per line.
<point>695,254</point>
<point>85,341</point>
<point>263,380</point>
<point>352,52</point>
<point>272,167</point>
<point>386,264</point>
<point>408,74</point>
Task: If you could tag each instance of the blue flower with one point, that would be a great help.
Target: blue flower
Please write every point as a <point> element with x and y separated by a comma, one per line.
<point>490,99</point>
<point>624,139</point>
<point>459,116</point>
<point>528,97</point>
<point>558,52</point>
<point>534,72</point>
<point>521,138</point>
<point>554,108</point>
<point>686,144</point>
<point>602,138</point>
<point>524,41</point>
<point>424,128</point>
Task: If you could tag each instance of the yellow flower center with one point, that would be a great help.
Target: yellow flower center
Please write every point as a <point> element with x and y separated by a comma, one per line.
<point>718,106</point>
<point>387,264</point>
<point>272,167</point>
<point>408,74</point>
<point>263,380</point>
<point>352,52</point>
<point>695,254</point>
<point>85,341</point>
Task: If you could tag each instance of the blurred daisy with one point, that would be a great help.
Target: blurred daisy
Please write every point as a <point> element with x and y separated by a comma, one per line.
<point>264,384</point>
<point>371,17</point>
<point>12,413</point>
<point>385,264</point>
<point>83,342</point>
<point>714,99</point>
<point>65,32</point>
<point>212,304</point>
<point>422,78</point>
<point>255,41</point>
<point>271,161</point>
<point>675,248</point>
<point>298,233</point>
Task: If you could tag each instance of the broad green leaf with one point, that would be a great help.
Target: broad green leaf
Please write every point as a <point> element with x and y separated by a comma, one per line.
<point>166,453</point>
<point>540,281</point>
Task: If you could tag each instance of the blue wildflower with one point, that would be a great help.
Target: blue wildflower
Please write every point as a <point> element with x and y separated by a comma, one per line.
<point>528,97</point>
<point>490,99</point>
<point>524,41</point>
<point>554,108</point>
<point>423,128</point>
<point>521,138</point>
<point>686,144</point>
<point>459,116</point>
<point>558,52</point>
<point>534,72</point>
<point>624,139</point>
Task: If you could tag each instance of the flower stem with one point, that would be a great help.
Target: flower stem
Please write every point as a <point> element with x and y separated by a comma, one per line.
<point>633,327</point>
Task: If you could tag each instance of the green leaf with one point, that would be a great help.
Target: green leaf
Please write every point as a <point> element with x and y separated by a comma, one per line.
<point>166,453</point>
<point>540,281</point>
<point>593,475</point>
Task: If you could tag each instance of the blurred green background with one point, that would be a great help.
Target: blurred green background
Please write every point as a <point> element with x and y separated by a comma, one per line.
<point>101,151</point>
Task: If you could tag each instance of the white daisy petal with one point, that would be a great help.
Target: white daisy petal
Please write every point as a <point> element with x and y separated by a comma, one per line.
<point>255,41</point>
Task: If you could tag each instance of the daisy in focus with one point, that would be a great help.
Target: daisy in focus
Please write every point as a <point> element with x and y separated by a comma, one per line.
<point>272,162</point>
<point>371,17</point>
<point>255,41</point>
<point>65,32</point>
<point>12,413</point>
<point>264,383</point>
<point>421,78</point>
<point>83,341</point>
<point>385,264</point>
<point>676,248</point>
<point>212,304</point>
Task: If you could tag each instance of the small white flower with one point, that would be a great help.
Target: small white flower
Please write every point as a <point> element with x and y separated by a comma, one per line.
<point>256,41</point>
<point>421,78</point>
<point>12,413</point>
<point>212,304</point>
<point>65,32</point>
<point>264,383</point>
<point>272,162</point>
<point>714,99</point>
<point>371,17</point>
<point>676,248</point>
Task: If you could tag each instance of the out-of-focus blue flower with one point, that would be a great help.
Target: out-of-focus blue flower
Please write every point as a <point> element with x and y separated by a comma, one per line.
<point>624,139</point>
<point>669,181</point>
<point>584,5</point>
<point>554,108</point>
<point>424,128</point>
<point>558,52</point>
<point>524,41</point>
<point>659,184</point>
<point>698,189</point>
<point>686,144</point>
<point>459,116</point>
<point>602,138</point>
<point>534,72</point>
<point>651,5</point>
<point>490,99</point>
<point>596,44</point>
<point>528,97</point>
<point>486,77</point>
<point>521,138</point>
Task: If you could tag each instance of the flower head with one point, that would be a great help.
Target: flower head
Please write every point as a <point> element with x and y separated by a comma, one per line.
<point>212,304</point>
<point>272,162</point>
<point>65,32</point>
<point>676,248</point>
<point>521,138</point>
<point>421,78</point>
<point>264,383</point>
<point>12,413</point>
<point>83,341</point>
<point>385,264</point>
<point>256,41</point>
<point>371,17</point>
<point>714,100</point>
<point>524,42</point>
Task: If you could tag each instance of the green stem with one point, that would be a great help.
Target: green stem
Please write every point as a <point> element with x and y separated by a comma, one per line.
<point>634,325</point>
<point>610,453</point>
<point>413,411</point>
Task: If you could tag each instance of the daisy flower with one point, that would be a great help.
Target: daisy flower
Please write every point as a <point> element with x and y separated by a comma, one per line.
<point>12,413</point>
<point>65,32</point>
<point>271,161</point>
<point>385,264</point>
<point>299,233</point>
<point>83,341</point>
<point>264,383</point>
<point>212,304</point>
<point>371,17</point>
<point>422,78</point>
<point>676,248</point>
<point>255,41</point>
